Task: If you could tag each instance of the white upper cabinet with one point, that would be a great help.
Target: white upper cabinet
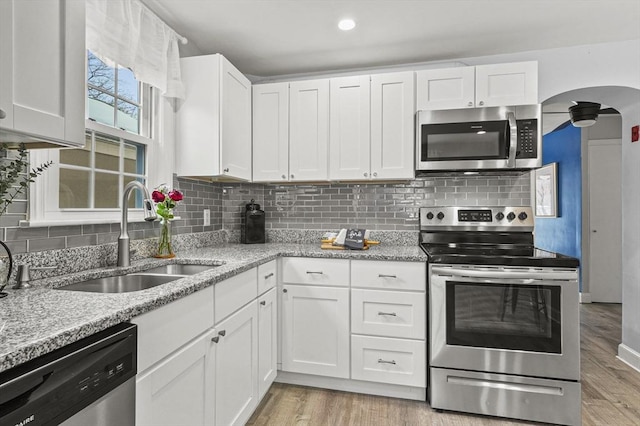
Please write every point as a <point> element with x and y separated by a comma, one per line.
<point>350,127</point>
<point>308,130</point>
<point>214,120</point>
<point>479,86</point>
<point>42,70</point>
<point>271,132</point>
<point>392,125</point>
<point>372,130</point>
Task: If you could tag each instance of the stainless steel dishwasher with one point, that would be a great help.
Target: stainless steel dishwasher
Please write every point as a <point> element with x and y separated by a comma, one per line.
<point>89,382</point>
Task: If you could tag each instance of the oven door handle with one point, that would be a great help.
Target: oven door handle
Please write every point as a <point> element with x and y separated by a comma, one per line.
<point>513,139</point>
<point>529,275</point>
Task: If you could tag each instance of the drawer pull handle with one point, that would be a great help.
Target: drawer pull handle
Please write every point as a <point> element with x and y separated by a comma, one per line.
<point>391,314</point>
<point>266,277</point>
<point>315,272</point>
<point>222,333</point>
<point>383,361</point>
<point>263,303</point>
<point>386,276</point>
<point>215,339</point>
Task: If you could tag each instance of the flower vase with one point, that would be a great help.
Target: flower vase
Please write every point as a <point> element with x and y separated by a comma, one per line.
<point>164,241</point>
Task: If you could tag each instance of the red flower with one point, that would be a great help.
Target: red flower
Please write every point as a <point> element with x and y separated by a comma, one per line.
<point>157,196</point>
<point>175,195</point>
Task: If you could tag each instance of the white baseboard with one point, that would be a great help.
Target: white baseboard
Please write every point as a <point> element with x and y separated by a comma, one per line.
<point>629,356</point>
<point>349,385</point>
<point>585,297</point>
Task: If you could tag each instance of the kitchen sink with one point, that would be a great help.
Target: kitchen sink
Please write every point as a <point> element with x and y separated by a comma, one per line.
<point>178,269</point>
<point>121,283</point>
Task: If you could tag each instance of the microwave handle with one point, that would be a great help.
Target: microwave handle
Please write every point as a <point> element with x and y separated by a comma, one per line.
<point>513,139</point>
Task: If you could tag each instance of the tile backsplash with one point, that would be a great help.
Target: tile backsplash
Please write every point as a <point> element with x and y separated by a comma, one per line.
<point>379,206</point>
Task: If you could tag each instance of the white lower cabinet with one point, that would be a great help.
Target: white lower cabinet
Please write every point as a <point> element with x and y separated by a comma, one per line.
<point>267,341</point>
<point>315,330</point>
<point>175,391</point>
<point>385,360</point>
<point>236,367</point>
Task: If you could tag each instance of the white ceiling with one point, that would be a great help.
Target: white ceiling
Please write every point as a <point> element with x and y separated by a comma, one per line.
<point>279,37</point>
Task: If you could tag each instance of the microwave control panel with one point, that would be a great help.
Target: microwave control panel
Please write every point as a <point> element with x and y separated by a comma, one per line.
<point>527,139</point>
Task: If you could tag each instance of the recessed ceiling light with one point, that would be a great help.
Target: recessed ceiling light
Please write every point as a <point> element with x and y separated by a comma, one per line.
<point>347,24</point>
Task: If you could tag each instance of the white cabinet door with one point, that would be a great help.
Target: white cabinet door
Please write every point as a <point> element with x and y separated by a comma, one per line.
<point>271,132</point>
<point>42,68</point>
<point>315,330</point>
<point>175,390</point>
<point>392,125</point>
<point>213,122</point>
<point>309,130</point>
<point>236,367</point>
<point>235,132</point>
<point>507,84</point>
<point>267,341</point>
<point>350,128</point>
<point>446,88</point>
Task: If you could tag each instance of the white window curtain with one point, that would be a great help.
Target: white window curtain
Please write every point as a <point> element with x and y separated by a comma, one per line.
<point>128,33</point>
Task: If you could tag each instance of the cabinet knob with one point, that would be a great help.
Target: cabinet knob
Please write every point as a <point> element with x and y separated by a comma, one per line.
<point>215,339</point>
<point>366,174</point>
<point>375,174</point>
<point>284,290</point>
<point>226,170</point>
<point>470,104</point>
<point>481,103</point>
<point>2,114</point>
<point>284,176</point>
<point>292,176</point>
<point>222,333</point>
<point>263,303</point>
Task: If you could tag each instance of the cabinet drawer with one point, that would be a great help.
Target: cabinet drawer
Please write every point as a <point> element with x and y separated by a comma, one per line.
<point>389,275</point>
<point>163,330</point>
<point>235,292</point>
<point>393,361</point>
<point>267,276</point>
<point>302,270</point>
<point>388,313</point>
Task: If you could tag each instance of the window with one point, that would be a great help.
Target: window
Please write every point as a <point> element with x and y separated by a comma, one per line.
<point>113,95</point>
<point>85,184</point>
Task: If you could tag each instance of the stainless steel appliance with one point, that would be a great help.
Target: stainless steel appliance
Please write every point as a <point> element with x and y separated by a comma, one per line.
<point>479,138</point>
<point>89,382</point>
<point>504,320</point>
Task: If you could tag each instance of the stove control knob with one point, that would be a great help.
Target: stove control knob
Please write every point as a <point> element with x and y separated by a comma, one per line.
<point>522,216</point>
<point>440,215</point>
<point>499,216</point>
<point>429,215</point>
<point>511,216</point>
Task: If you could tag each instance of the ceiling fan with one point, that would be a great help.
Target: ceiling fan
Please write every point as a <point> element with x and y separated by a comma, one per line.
<point>558,116</point>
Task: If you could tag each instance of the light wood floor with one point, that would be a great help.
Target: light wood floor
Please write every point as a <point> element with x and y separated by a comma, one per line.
<point>610,391</point>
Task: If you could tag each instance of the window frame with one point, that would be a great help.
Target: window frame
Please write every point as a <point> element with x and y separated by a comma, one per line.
<point>43,194</point>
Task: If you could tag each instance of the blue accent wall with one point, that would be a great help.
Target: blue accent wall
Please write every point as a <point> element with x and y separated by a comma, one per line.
<point>564,233</point>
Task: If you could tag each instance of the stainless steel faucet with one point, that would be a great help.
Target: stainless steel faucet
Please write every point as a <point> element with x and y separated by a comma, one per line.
<point>149,216</point>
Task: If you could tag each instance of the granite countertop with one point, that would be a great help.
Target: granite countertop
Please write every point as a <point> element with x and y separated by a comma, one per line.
<point>38,320</point>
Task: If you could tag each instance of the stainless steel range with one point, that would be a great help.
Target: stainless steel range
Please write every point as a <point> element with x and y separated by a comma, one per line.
<point>504,318</point>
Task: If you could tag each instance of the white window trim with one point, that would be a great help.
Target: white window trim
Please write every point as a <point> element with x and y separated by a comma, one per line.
<point>43,195</point>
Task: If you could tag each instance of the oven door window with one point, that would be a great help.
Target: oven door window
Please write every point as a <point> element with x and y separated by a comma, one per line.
<point>504,316</point>
<point>465,141</point>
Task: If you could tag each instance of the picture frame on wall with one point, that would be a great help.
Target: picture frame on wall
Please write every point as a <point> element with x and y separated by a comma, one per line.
<point>546,181</point>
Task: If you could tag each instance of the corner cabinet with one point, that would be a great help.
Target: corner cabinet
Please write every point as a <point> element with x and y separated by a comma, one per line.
<point>480,86</point>
<point>214,120</point>
<point>291,131</point>
<point>35,102</point>
<point>372,127</point>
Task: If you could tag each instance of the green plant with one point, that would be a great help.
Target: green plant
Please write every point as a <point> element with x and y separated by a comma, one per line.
<point>15,176</point>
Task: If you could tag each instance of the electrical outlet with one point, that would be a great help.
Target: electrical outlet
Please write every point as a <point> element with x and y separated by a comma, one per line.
<point>207,217</point>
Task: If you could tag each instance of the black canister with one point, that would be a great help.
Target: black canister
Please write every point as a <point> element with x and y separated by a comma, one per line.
<point>252,228</point>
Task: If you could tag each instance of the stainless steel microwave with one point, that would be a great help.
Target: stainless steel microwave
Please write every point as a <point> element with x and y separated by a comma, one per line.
<point>479,138</point>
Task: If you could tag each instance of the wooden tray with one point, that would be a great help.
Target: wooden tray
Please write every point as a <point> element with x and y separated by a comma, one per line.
<point>328,245</point>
